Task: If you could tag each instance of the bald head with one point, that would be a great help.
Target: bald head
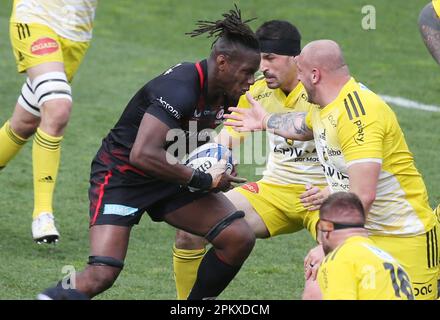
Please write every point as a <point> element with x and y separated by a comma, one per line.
<point>325,55</point>
<point>343,208</point>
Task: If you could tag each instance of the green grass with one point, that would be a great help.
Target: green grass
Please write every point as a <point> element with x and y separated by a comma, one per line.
<point>133,42</point>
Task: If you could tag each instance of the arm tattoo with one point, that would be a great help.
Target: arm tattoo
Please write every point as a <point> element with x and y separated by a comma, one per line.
<point>429,25</point>
<point>292,122</point>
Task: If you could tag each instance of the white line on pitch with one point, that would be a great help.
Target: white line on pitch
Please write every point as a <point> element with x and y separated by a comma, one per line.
<point>406,103</point>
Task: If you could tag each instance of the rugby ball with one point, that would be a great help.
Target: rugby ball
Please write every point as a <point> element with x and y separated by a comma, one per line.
<point>207,155</point>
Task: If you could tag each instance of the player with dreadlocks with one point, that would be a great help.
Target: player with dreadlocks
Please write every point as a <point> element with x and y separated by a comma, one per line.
<point>133,173</point>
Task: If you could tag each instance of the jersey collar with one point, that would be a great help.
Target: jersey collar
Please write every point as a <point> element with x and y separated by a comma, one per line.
<point>292,97</point>
<point>204,77</point>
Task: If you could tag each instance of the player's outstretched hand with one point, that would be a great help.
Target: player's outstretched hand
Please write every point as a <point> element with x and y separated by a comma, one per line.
<point>252,119</point>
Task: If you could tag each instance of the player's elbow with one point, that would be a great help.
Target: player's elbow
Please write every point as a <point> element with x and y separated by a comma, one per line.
<point>142,159</point>
<point>367,199</point>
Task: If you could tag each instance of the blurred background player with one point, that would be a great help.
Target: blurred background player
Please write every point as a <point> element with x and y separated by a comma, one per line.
<point>133,173</point>
<point>49,39</point>
<point>429,25</point>
<point>363,150</point>
<point>272,205</point>
<point>354,267</point>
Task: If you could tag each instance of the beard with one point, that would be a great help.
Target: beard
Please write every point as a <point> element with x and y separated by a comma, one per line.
<point>311,94</point>
<point>272,82</point>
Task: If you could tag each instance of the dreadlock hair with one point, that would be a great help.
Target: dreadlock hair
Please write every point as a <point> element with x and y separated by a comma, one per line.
<point>229,33</point>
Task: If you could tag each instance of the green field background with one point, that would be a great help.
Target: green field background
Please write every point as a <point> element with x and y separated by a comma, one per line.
<point>133,42</point>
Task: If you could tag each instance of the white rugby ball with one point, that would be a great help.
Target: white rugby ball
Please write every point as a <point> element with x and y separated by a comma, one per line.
<point>207,155</point>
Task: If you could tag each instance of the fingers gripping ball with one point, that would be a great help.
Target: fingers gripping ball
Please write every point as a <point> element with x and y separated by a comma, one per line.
<point>212,158</point>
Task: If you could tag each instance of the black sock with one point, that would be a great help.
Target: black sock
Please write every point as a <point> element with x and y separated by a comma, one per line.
<point>213,277</point>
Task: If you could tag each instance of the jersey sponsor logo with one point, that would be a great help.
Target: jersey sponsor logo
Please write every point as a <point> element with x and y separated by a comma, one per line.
<point>262,96</point>
<point>333,173</point>
<point>44,46</point>
<point>169,108</point>
<point>354,108</point>
<point>423,290</point>
<point>359,137</point>
<point>251,187</point>
<point>332,152</point>
<point>322,135</point>
<point>290,151</point>
<point>332,121</point>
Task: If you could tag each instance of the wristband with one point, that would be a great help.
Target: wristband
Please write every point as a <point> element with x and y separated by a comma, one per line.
<point>200,181</point>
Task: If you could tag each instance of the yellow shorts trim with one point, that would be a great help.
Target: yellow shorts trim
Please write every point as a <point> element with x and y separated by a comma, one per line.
<point>34,44</point>
<point>419,256</point>
<point>279,207</point>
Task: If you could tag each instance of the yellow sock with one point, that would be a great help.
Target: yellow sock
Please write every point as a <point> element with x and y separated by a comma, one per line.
<point>10,144</point>
<point>186,263</point>
<point>46,153</point>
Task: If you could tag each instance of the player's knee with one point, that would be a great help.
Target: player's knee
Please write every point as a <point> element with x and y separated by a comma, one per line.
<point>241,235</point>
<point>236,235</point>
<point>188,241</point>
<point>55,116</point>
<point>53,96</point>
<point>24,126</point>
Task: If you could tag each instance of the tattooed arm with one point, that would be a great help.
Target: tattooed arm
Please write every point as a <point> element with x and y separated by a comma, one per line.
<point>429,25</point>
<point>290,125</point>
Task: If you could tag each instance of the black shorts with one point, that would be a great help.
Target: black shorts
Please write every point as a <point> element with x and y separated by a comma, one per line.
<point>119,193</point>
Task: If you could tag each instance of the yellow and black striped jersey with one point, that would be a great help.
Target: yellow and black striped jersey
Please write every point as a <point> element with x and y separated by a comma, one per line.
<point>436,5</point>
<point>289,162</point>
<point>71,19</point>
<point>358,270</point>
<point>358,126</point>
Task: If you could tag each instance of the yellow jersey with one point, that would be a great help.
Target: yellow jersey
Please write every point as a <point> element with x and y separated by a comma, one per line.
<point>358,126</point>
<point>71,19</point>
<point>288,162</point>
<point>436,5</point>
<point>358,270</point>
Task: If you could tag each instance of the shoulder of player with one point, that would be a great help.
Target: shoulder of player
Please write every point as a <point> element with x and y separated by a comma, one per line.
<point>345,253</point>
<point>180,81</point>
<point>362,104</point>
